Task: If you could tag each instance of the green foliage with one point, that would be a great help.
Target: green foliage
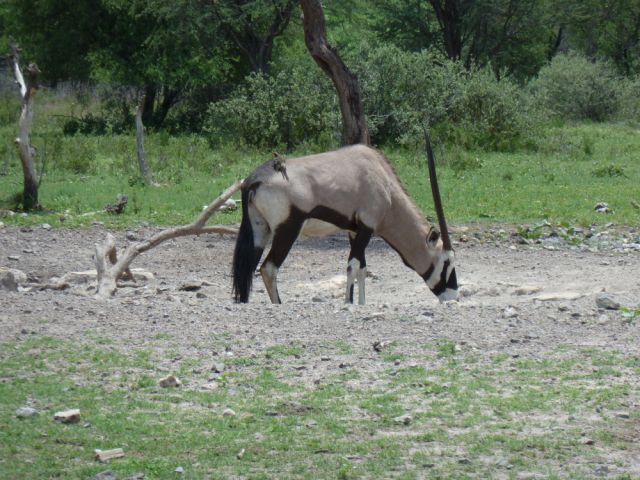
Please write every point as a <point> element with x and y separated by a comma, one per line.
<point>287,109</point>
<point>609,171</point>
<point>404,91</point>
<point>493,115</point>
<point>576,88</point>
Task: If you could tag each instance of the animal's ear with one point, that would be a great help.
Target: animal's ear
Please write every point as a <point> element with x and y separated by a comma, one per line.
<point>433,237</point>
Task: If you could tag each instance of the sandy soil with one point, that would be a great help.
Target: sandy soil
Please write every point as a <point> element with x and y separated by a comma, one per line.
<point>515,297</point>
<point>526,299</point>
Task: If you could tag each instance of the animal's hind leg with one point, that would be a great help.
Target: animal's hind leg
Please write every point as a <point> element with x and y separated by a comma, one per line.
<point>283,240</point>
<point>357,266</point>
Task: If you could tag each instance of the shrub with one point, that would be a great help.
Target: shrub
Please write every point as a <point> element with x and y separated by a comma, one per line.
<point>404,91</point>
<point>576,88</point>
<point>630,99</point>
<point>286,109</point>
<point>492,114</point>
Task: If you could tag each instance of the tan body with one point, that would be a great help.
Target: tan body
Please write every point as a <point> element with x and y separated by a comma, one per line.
<point>353,188</point>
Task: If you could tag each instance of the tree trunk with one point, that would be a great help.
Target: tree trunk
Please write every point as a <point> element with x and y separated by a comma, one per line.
<point>27,152</point>
<point>354,122</point>
<point>142,160</point>
<point>449,19</point>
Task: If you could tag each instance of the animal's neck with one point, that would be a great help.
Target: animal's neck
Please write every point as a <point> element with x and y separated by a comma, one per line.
<point>405,229</point>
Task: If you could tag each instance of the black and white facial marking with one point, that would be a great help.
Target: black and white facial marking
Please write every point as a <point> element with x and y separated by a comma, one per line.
<point>440,277</point>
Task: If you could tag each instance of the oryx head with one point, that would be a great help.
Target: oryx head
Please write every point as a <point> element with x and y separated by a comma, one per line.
<point>440,276</point>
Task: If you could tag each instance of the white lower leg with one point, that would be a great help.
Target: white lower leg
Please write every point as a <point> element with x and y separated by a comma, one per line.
<point>269,274</point>
<point>362,274</point>
<point>352,269</point>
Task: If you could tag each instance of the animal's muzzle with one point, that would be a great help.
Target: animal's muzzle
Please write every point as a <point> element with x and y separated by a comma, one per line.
<point>447,288</point>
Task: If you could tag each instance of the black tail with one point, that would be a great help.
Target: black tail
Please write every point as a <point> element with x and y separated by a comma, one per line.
<point>244,255</point>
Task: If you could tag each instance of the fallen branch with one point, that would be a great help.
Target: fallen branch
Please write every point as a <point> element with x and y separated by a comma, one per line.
<point>110,269</point>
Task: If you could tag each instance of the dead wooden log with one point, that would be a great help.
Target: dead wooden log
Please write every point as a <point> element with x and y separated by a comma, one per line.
<point>27,153</point>
<point>110,269</point>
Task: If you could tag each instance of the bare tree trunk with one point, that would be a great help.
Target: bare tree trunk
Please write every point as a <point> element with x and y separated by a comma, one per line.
<point>354,122</point>
<point>142,161</point>
<point>110,269</point>
<point>27,152</point>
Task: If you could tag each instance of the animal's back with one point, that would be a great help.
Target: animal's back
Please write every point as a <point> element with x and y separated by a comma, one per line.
<point>356,181</point>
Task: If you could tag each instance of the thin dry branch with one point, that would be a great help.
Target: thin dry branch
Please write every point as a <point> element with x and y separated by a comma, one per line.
<point>110,269</point>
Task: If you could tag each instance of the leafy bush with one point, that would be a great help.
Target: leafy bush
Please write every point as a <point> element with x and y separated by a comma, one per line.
<point>491,114</point>
<point>286,109</point>
<point>630,99</point>
<point>404,91</point>
<point>576,88</point>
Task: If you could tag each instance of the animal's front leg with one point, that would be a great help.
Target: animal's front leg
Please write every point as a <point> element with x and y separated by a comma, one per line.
<point>357,269</point>
<point>353,267</point>
<point>362,273</point>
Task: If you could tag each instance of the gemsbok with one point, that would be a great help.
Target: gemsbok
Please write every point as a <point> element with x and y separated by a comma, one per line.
<point>354,189</point>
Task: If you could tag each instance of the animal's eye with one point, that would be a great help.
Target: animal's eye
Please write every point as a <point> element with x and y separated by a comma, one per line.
<point>433,237</point>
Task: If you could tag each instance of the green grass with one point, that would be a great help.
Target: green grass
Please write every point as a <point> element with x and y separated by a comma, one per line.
<point>574,168</point>
<point>465,412</point>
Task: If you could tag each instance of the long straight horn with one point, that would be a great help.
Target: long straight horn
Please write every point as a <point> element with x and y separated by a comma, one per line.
<point>446,241</point>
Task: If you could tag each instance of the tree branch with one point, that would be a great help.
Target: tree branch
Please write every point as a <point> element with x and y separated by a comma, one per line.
<point>110,269</point>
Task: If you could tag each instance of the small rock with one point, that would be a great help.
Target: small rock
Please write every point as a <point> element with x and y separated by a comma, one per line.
<point>602,207</point>
<point>229,205</point>
<point>503,462</point>
<point>45,226</point>
<point>509,312</point>
<point>601,470</point>
<point>170,381</point>
<point>11,278</point>
<point>227,412</point>
<point>240,454</point>
<point>381,345</point>
<point>464,461</point>
<point>318,299</point>
<point>554,297</point>
<point>624,415</point>
<point>131,236</point>
<point>106,455</point>
<point>527,290</point>
<point>106,475</point>
<point>607,302</point>
<point>15,258</point>
<point>191,286</point>
<point>403,419</point>
<point>26,412</point>
<point>67,416</point>
<point>218,367</point>
<point>587,441</point>
<point>200,295</point>
<point>179,470</point>
<point>136,476</point>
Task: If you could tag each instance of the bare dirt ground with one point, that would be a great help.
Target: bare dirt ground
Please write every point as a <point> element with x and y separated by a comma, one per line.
<point>525,299</point>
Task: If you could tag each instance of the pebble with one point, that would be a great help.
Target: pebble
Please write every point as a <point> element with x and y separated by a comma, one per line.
<point>179,470</point>
<point>26,412</point>
<point>170,381</point>
<point>607,302</point>
<point>509,312</point>
<point>45,226</point>
<point>227,412</point>
<point>403,419</point>
<point>106,475</point>
<point>601,470</point>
